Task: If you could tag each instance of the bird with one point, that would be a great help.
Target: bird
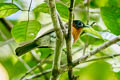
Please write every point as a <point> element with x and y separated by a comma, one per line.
<point>77,28</point>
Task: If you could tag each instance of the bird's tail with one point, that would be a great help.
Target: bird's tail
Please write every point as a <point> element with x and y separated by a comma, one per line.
<point>25,48</point>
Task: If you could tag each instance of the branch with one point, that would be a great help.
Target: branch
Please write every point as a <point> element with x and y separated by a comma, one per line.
<point>69,41</point>
<point>63,69</point>
<point>104,57</point>
<point>39,74</point>
<point>6,23</point>
<point>6,42</point>
<point>62,26</point>
<point>98,49</point>
<point>88,18</point>
<point>25,64</point>
<point>59,40</point>
<point>33,68</point>
<point>83,59</point>
<point>37,58</point>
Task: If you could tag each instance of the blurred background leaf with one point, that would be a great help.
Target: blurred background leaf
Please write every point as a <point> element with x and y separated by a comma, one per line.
<point>104,12</point>
<point>111,18</point>
<point>25,30</point>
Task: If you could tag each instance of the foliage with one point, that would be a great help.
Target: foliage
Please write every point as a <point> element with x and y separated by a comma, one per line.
<point>27,30</point>
<point>106,14</point>
<point>7,9</point>
<point>111,17</point>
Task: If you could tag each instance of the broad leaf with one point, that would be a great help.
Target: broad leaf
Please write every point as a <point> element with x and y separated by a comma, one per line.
<point>25,30</point>
<point>92,40</point>
<point>98,70</point>
<point>62,9</point>
<point>7,9</point>
<point>93,32</point>
<point>111,18</point>
<point>41,8</point>
<point>45,52</point>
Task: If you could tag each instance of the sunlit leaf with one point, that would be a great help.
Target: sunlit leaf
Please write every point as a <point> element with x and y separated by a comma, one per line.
<point>41,8</point>
<point>111,18</point>
<point>92,31</point>
<point>64,76</point>
<point>99,70</point>
<point>62,9</point>
<point>114,3</point>
<point>118,75</point>
<point>24,31</point>
<point>7,9</point>
<point>101,3</point>
<point>92,39</point>
<point>45,52</point>
<point>77,2</point>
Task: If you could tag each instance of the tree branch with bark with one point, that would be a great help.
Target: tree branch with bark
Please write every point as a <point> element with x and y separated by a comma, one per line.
<point>69,41</point>
<point>84,59</point>
<point>59,40</point>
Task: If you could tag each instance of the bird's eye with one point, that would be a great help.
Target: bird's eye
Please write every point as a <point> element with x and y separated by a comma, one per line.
<point>80,24</point>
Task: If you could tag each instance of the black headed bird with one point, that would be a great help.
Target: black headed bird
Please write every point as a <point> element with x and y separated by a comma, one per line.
<point>77,29</point>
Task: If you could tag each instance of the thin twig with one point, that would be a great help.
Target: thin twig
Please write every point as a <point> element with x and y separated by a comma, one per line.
<point>101,47</point>
<point>37,58</point>
<point>63,69</point>
<point>6,42</point>
<point>88,15</point>
<point>25,64</point>
<point>39,74</point>
<point>12,1</point>
<point>88,18</point>
<point>92,23</point>
<point>33,68</point>
<point>62,26</point>
<point>103,57</point>
<point>6,23</point>
<point>69,41</point>
<point>83,59</point>
<point>28,16</point>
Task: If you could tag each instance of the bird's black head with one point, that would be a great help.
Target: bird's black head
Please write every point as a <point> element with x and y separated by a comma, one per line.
<point>79,24</point>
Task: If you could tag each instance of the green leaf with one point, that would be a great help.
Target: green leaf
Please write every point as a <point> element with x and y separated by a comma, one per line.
<point>92,40</point>
<point>44,52</point>
<point>114,3</point>
<point>118,75</point>
<point>7,9</point>
<point>62,9</point>
<point>92,31</point>
<point>77,2</point>
<point>24,31</point>
<point>98,70</point>
<point>111,18</point>
<point>65,1</point>
<point>41,8</point>
<point>101,3</point>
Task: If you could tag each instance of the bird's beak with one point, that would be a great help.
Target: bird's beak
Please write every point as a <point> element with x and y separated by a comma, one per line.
<point>87,26</point>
